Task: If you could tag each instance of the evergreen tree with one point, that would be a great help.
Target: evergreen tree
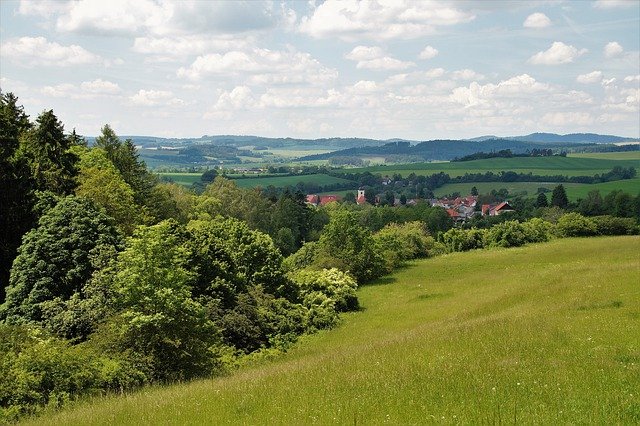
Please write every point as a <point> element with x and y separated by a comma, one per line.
<point>542,201</point>
<point>559,197</point>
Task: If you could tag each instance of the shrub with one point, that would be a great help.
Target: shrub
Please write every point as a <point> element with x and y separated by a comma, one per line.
<point>507,234</point>
<point>576,225</point>
<point>456,239</point>
<point>401,242</point>
<point>610,225</point>
<point>336,285</point>
<point>538,230</point>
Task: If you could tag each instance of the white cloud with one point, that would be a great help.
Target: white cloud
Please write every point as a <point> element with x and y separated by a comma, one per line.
<point>612,4</point>
<point>466,74</point>
<point>592,77</point>
<point>155,98</point>
<point>260,66</point>
<point>38,51</point>
<point>613,49</point>
<point>241,97</point>
<point>352,20</point>
<point>428,53</point>
<point>182,46</point>
<point>365,53</point>
<point>632,78</point>
<point>558,53</point>
<point>521,86</point>
<point>560,119</point>
<point>161,18</point>
<point>86,90</point>
<point>42,8</point>
<point>537,20</point>
<point>374,58</point>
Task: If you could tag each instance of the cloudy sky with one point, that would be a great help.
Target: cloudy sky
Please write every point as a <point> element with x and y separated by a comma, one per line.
<point>382,69</point>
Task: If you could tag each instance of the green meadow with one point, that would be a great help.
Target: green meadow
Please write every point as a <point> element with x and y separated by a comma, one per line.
<point>544,166</point>
<point>185,179</point>
<point>628,155</point>
<point>280,181</point>
<point>574,190</point>
<point>544,334</point>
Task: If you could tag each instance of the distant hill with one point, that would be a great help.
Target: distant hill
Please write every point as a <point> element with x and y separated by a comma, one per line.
<point>572,138</point>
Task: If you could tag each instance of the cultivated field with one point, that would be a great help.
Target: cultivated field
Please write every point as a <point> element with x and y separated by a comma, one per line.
<point>629,155</point>
<point>544,166</point>
<point>545,334</point>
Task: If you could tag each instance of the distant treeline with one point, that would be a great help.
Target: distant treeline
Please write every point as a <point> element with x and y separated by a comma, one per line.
<point>507,153</point>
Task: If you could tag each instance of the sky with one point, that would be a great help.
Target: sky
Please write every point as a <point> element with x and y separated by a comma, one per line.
<point>379,69</point>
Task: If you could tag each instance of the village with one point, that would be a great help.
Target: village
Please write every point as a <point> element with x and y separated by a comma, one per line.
<point>460,209</point>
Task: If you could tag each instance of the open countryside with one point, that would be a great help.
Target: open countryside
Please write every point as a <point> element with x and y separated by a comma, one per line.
<point>541,334</point>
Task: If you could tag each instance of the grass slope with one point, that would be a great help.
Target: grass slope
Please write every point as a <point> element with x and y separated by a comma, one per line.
<point>544,166</point>
<point>541,334</point>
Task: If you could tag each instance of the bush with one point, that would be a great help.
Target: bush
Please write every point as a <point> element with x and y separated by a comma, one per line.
<point>576,225</point>
<point>336,285</point>
<point>609,225</point>
<point>538,230</point>
<point>39,370</point>
<point>507,234</point>
<point>401,242</point>
<point>456,239</point>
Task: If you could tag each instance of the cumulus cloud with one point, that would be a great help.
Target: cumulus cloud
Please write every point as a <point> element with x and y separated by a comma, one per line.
<point>466,74</point>
<point>537,20</point>
<point>38,51</point>
<point>260,66</point>
<point>428,53</point>
<point>518,86</point>
<point>632,78</point>
<point>592,77</point>
<point>558,53</point>
<point>353,20</point>
<point>559,119</point>
<point>155,98</point>
<point>613,49</point>
<point>189,45</point>
<point>156,17</point>
<point>374,58</point>
<point>613,4</point>
<point>86,90</point>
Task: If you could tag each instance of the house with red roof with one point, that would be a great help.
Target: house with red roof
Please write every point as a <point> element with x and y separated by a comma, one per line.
<point>496,209</point>
<point>322,200</point>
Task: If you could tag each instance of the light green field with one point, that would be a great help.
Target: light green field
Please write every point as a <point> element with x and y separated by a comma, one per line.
<point>574,190</point>
<point>629,155</point>
<point>545,334</point>
<point>543,166</point>
<point>281,181</point>
<point>185,179</point>
<point>295,153</point>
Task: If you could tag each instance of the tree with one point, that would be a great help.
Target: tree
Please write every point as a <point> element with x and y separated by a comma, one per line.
<point>17,186</point>
<point>54,260</point>
<point>159,320</point>
<point>474,191</point>
<point>350,247</point>
<point>124,157</point>
<point>100,182</point>
<point>209,176</point>
<point>593,205</point>
<point>47,151</point>
<point>559,197</point>
<point>542,201</point>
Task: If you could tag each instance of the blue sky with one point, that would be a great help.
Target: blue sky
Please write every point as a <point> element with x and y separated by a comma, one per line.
<point>382,69</point>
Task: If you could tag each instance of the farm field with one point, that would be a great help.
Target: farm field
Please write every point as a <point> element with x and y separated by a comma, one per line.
<point>280,181</point>
<point>185,179</point>
<point>540,334</point>
<point>574,190</point>
<point>629,155</point>
<point>569,166</point>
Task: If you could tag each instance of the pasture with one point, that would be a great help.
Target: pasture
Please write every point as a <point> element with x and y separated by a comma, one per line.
<point>544,166</point>
<point>281,181</point>
<point>628,155</point>
<point>574,190</point>
<point>544,334</point>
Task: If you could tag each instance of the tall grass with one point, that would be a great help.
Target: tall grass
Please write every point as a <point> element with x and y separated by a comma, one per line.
<point>546,333</point>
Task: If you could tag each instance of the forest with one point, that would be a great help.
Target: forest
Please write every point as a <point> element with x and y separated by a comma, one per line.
<point>113,279</point>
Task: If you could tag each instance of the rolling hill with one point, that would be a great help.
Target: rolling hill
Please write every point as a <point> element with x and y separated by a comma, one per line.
<point>540,334</point>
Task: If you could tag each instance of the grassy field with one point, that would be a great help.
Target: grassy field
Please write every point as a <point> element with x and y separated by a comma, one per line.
<point>545,334</point>
<point>280,181</point>
<point>629,155</point>
<point>574,190</point>
<point>185,179</point>
<point>544,166</point>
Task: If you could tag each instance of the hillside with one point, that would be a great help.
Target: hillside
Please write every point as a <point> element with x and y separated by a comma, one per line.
<point>542,334</point>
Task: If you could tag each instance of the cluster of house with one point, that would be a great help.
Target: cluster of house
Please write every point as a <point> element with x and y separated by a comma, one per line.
<point>459,208</point>
<point>463,208</point>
